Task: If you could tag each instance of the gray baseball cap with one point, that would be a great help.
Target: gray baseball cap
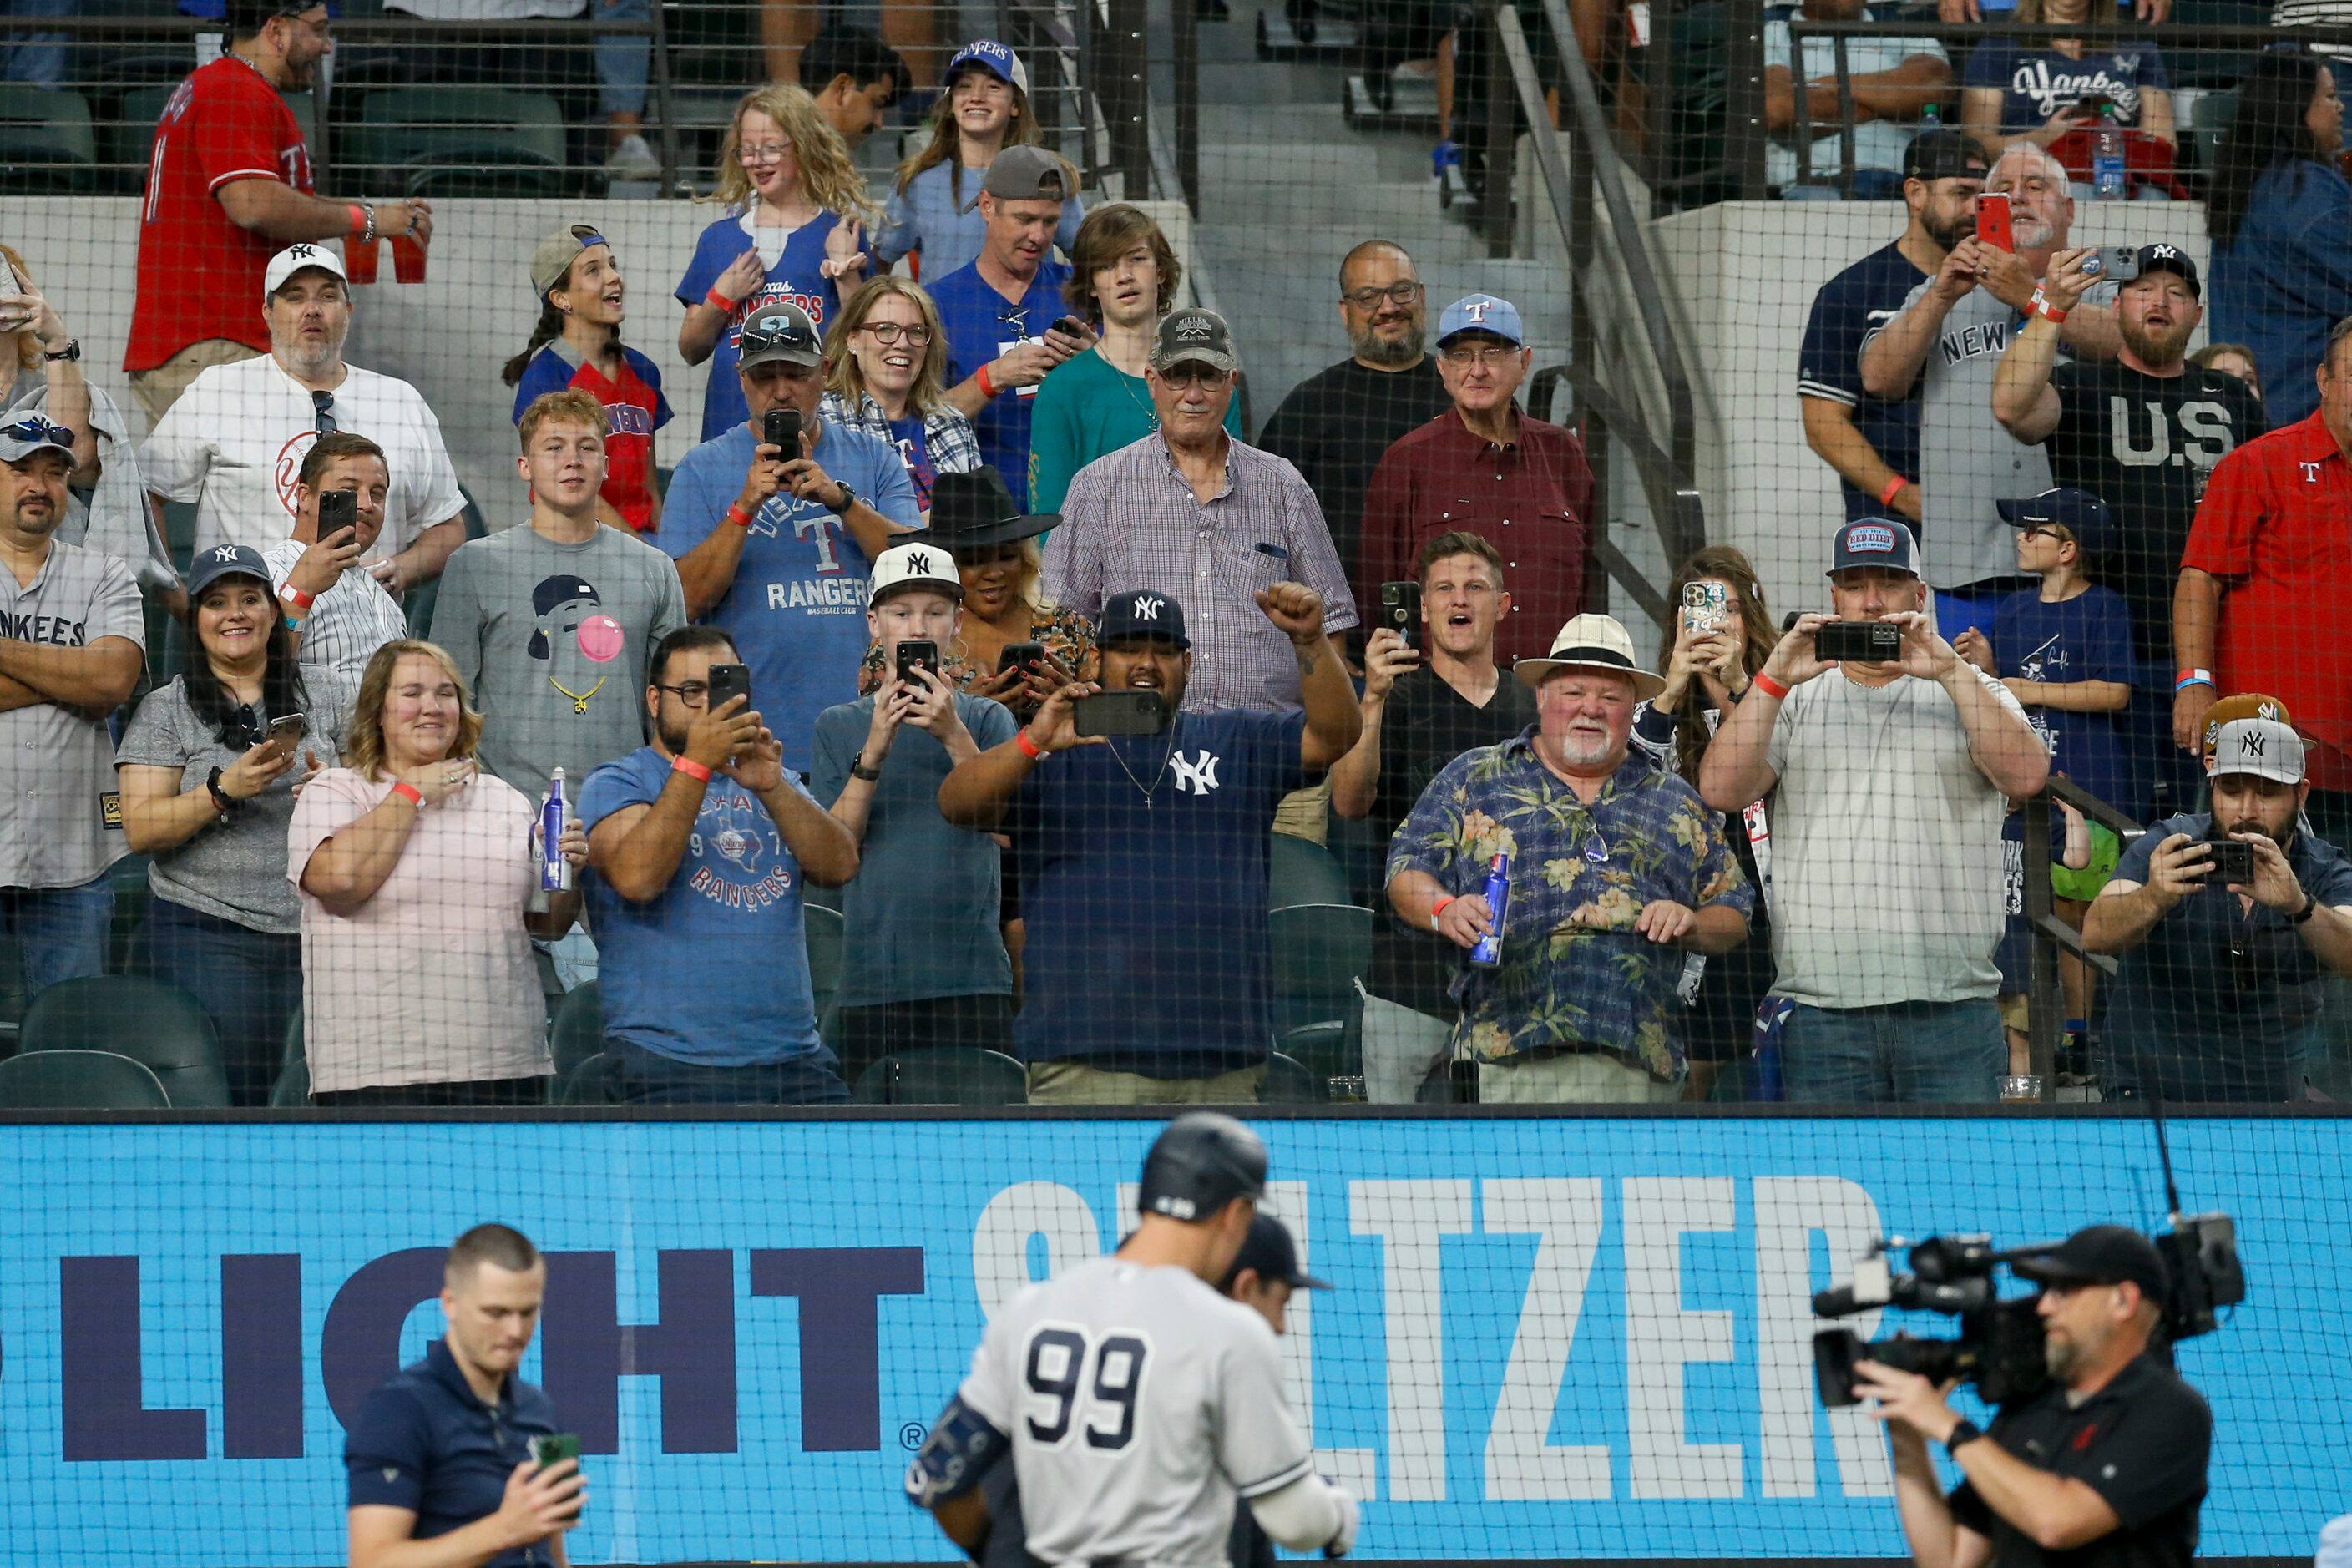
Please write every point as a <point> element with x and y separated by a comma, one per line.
<point>1027,172</point>
<point>1194,334</point>
<point>28,433</point>
<point>780,333</point>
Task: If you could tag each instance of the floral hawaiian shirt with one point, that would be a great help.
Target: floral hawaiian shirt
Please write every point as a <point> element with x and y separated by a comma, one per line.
<point>1574,972</point>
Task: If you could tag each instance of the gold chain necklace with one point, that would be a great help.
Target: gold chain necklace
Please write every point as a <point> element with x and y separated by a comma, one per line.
<point>578,699</point>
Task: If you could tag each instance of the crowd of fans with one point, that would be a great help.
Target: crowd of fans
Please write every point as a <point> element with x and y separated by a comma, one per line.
<point>975,603</point>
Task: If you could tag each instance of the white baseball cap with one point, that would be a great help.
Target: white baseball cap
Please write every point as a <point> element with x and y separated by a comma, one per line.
<point>916,566</point>
<point>295,259</point>
<point>2264,748</point>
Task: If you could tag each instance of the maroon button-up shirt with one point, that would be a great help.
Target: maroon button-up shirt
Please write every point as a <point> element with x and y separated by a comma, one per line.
<point>1531,499</point>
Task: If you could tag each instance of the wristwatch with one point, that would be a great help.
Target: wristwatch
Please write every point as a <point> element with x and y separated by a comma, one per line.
<point>858,770</point>
<point>848,500</point>
<point>221,797</point>
<point>1967,1431</point>
<point>2310,907</point>
<point>72,351</point>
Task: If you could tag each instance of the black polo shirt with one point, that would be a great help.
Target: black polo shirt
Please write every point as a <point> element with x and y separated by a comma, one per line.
<point>2141,1443</point>
<point>425,1442</point>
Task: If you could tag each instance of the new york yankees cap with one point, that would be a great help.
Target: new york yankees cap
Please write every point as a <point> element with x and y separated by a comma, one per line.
<point>930,567</point>
<point>2173,260</point>
<point>225,561</point>
<point>28,433</point>
<point>1142,613</point>
<point>296,258</point>
<point>2262,748</point>
<point>1488,313</point>
<point>1194,336</point>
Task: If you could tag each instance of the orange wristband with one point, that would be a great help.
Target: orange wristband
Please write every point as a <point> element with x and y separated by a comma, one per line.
<point>1769,686</point>
<point>1029,748</point>
<point>1438,909</point>
<point>737,515</point>
<point>719,303</point>
<point>409,792</point>
<point>987,387</point>
<point>1894,488</point>
<point>690,768</point>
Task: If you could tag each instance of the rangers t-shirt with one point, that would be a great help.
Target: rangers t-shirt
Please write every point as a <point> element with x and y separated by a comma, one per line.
<point>634,406</point>
<point>796,277</point>
<point>234,441</point>
<point>199,274</point>
<point>981,326</point>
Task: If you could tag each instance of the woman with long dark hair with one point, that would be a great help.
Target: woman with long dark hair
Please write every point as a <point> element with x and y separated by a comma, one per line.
<point>1710,655</point>
<point>2280,213</point>
<point>934,207</point>
<point>207,769</point>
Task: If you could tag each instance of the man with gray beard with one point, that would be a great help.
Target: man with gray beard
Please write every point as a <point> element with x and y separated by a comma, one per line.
<point>1334,424</point>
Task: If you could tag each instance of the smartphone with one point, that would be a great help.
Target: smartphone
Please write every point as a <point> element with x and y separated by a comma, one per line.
<point>338,510</point>
<point>2233,863</point>
<point>286,732</point>
<point>1705,605</point>
<point>1400,611</point>
<point>9,282</point>
<point>1993,221</point>
<point>2091,106</point>
<point>729,681</point>
<point>1120,713</point>
<point>1070,327</point>
<point>914,654</point>
<point>1029,655</point>
<point>1859,642</point>
<point>556,1449</point>
<point>780,427</point>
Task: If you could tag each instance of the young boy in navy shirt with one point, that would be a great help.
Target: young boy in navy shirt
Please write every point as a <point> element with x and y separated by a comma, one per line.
<point>2064,650</point>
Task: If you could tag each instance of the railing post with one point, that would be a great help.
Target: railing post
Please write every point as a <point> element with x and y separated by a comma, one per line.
<point>2044,1016</point>
<point>1494,203</point>
<point>1188,101</point>
<point>1744,97</point>
<point>1125,89</point>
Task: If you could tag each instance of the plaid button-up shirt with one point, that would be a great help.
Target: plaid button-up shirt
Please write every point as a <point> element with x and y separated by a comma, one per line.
<point>1131,521</point>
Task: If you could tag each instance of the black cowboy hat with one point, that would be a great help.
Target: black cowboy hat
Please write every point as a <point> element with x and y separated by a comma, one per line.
<point>970,510</point>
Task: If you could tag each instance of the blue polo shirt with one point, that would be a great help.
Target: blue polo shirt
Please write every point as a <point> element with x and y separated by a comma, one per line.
<point>982,325</point>
<point>1144,863</point>
<point>425,1442</point>
<point>797,608</point>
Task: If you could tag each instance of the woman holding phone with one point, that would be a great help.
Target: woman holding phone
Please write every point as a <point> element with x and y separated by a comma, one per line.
<point>208,769</point>
<point>418,875</point>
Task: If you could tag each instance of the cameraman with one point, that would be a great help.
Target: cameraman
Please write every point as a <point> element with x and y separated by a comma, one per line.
<point>2104,1468</point>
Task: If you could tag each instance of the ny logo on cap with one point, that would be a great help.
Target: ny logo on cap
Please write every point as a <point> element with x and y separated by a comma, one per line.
<point>2251,745</point>
<point>1195,327</point>
<point>224,553</point>
<point>2163,253</point>
<point>1146,608</point>
<point>303,252</point>
<point>919,565</point>
<point>1869,536</point>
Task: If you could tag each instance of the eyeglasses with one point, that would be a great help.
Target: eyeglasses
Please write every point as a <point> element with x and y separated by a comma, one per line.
<point>889,333</point>
<point>768,152</point>
<point>1487,356</point>
<point>1192,372</point>
<point>322,413</point>
<point>1403,293</point>
<point>693,693</point>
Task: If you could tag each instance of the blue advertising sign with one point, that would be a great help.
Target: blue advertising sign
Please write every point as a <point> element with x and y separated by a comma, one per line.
<point>1548,1337</point>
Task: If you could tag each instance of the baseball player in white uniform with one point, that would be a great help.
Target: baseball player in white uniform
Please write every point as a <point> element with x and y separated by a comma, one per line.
<point>1135,1401</point>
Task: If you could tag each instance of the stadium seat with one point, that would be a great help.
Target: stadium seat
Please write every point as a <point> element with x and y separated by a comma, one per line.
<point>1319,950</point>
<point>128,876</point>
<point>292,1089</point>
<point>1304,873</point>
<point>48,144</point>
<point>459,141</point>
<point>2208,122</point>
<point>579,1031</point>
<point>584,1084</point>
<point>824,945</point>
<point>1329,1050</point>
<point>158,1026</point>
<point>12,993</point>
<point>944,1075</point>
<point>1290,1081</point>
<point>79,1080</point>
<point>129,134</point>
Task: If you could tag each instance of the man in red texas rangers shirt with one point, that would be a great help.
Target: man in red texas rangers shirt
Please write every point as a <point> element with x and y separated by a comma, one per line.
<point>229,184</point>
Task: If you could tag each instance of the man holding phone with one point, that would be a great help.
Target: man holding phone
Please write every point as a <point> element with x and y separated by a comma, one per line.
<point>1146,858</point>
<point>2220,980</point>
<point>921,919</point>
<point>775,545</point>
<point>338,611</point>
<point>448,1450</point>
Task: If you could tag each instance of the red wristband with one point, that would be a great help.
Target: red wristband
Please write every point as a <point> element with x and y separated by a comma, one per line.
<point>359,219</point>
<point>719,303</point>
<point>737,515</point>
<point>987,387</point>
<point>1438,909</point>
<point>1769,686</point>
<point>292,596</point>
<point>690,768</point>
<point>1029,748</point>
<point>1894,488</point>
<point>409,792</point>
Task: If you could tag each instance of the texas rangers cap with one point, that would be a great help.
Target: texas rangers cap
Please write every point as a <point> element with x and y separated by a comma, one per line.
<point>2099,1254</point>
<point>225,561</point>
<point>994,57</point>
<point>552,262</point>
<point>1193,335</point>
<point>917,565</point>
<point>1874,541</point>
<point>1269,1249</point>
<point>298,258</point>
<point>28,433</point>
<point>780,333</point>
<point>1024,173</point>
<point>1140,612</point>
<point>2262,748</point>
<point>1944,155</point>
<point>2078,511</point>
<point>2171,259</point>
<point>1487,314</point>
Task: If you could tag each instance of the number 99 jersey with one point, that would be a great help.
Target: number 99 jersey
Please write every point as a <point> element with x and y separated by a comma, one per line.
<point>1141,1403</point>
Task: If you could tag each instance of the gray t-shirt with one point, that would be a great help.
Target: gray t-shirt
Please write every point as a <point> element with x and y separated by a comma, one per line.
<point>1967,461</point>
<point>60,817</point>
<point>921,917</point>
<point>553,641</point>
<point>234,867</point>
<point>1886,857</point>
<point>1170,1407</point>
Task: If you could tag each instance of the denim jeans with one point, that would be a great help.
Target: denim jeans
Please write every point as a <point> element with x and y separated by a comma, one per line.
<point>635,1076</point>
<point>623,62</point>
<point>1907,1053</point>
<point>249,983</point>
<point>60,932</point>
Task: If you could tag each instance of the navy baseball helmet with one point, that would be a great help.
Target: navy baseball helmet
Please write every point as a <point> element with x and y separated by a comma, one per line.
<point>1201,1162</point>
